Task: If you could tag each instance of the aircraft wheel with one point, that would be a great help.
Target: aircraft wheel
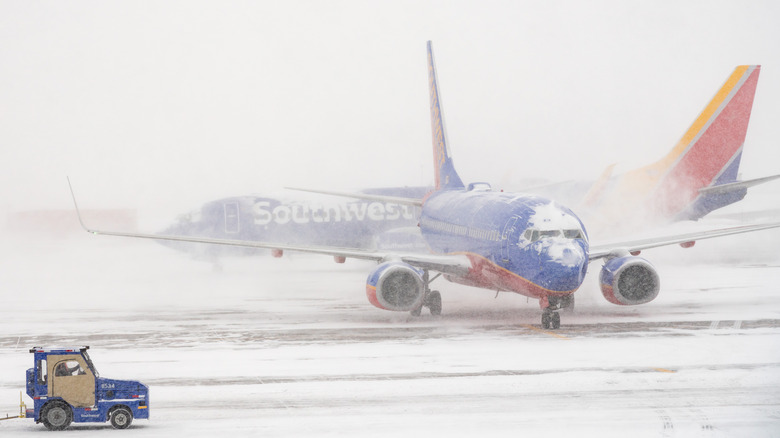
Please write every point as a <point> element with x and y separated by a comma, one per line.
<point>57,415</point>
<point>434,303</point>
<point>546,319</point>
<point>121,418</point>
<point>555,320</point>
<point>567,303</point>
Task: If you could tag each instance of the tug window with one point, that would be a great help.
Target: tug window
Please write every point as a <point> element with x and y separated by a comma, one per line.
<point>41,371</point>
<point>68,368</point>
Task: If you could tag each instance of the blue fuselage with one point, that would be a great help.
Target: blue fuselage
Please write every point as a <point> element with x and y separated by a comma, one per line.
<point>301,221</point>
<point>519,243</point>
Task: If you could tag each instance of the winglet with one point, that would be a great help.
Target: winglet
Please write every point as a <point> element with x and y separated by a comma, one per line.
<point>78,212</point>
<point>445,175</point>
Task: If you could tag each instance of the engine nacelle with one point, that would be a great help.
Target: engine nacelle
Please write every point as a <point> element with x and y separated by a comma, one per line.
<point>395,286</point>
<point>629,281</point>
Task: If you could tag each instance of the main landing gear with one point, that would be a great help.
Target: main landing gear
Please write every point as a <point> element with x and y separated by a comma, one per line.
<point>551,319</point>
<point>431,298</point>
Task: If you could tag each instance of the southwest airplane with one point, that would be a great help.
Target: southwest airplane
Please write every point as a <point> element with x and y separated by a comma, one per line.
<point>530,244</point>
<point>678,187</point>
<point>362,224</point>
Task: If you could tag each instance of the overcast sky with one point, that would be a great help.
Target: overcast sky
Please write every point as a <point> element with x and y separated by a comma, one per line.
<point>147,104</point>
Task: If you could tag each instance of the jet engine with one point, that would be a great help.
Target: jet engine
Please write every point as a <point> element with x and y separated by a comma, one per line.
<point>395,286</point>
<point>629,281</point>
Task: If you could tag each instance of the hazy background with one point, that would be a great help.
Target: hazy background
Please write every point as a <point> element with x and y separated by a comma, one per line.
<point>161,106</point>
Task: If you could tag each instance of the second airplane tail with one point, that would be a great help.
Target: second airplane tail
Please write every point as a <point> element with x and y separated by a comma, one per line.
<point>707,156</point>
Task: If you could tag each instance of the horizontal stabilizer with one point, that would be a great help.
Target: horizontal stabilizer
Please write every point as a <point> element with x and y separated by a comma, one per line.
<point>735,186</point>
<point>366,196</point>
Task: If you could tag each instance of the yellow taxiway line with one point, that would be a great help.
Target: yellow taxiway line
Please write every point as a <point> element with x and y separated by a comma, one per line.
<point>553,334</point>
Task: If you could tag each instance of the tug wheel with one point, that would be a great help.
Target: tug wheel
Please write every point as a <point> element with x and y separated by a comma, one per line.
<point>57,415</point>
<point>121,418</point>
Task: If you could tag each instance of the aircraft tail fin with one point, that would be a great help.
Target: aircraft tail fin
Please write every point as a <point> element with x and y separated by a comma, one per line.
<point>710,152</point>
<point>707,155</point>
<point>445,175</point>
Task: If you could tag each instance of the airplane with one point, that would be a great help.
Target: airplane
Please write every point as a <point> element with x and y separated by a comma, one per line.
<point>675,188</point>
<point>527,244</point>
<point>285,219</point>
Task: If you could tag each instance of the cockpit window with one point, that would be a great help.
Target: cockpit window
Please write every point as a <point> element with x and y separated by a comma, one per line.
<point>572,234</point>
<point>534,235</point>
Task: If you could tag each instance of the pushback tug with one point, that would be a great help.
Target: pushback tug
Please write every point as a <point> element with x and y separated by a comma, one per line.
<point>66,388</point>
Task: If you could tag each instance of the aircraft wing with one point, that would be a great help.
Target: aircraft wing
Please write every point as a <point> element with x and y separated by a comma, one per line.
<point>621,248</point>
<point>448,264</point>
<point>456,264</point>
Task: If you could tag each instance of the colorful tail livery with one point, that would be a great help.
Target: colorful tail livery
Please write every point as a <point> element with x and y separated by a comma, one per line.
<point>697,176</point>
<point>531,245</point>
<point>444,172</point>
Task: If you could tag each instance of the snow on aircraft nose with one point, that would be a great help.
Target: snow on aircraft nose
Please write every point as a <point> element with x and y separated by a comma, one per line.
<point>564,264</point>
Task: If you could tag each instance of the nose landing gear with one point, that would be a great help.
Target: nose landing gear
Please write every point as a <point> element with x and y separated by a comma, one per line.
<point>551,305</point>
<point>551,319</point>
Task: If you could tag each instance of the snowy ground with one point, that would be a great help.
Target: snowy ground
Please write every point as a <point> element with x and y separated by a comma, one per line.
<point>291,347</point>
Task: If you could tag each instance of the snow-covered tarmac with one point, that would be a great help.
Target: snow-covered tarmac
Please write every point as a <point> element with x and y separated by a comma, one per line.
<point>291,347</point>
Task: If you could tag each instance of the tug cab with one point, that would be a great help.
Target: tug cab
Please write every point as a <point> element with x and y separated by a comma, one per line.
<point>66,387</point>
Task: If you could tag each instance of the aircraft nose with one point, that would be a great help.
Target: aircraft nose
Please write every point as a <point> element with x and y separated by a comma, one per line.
<point>566,263</point>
